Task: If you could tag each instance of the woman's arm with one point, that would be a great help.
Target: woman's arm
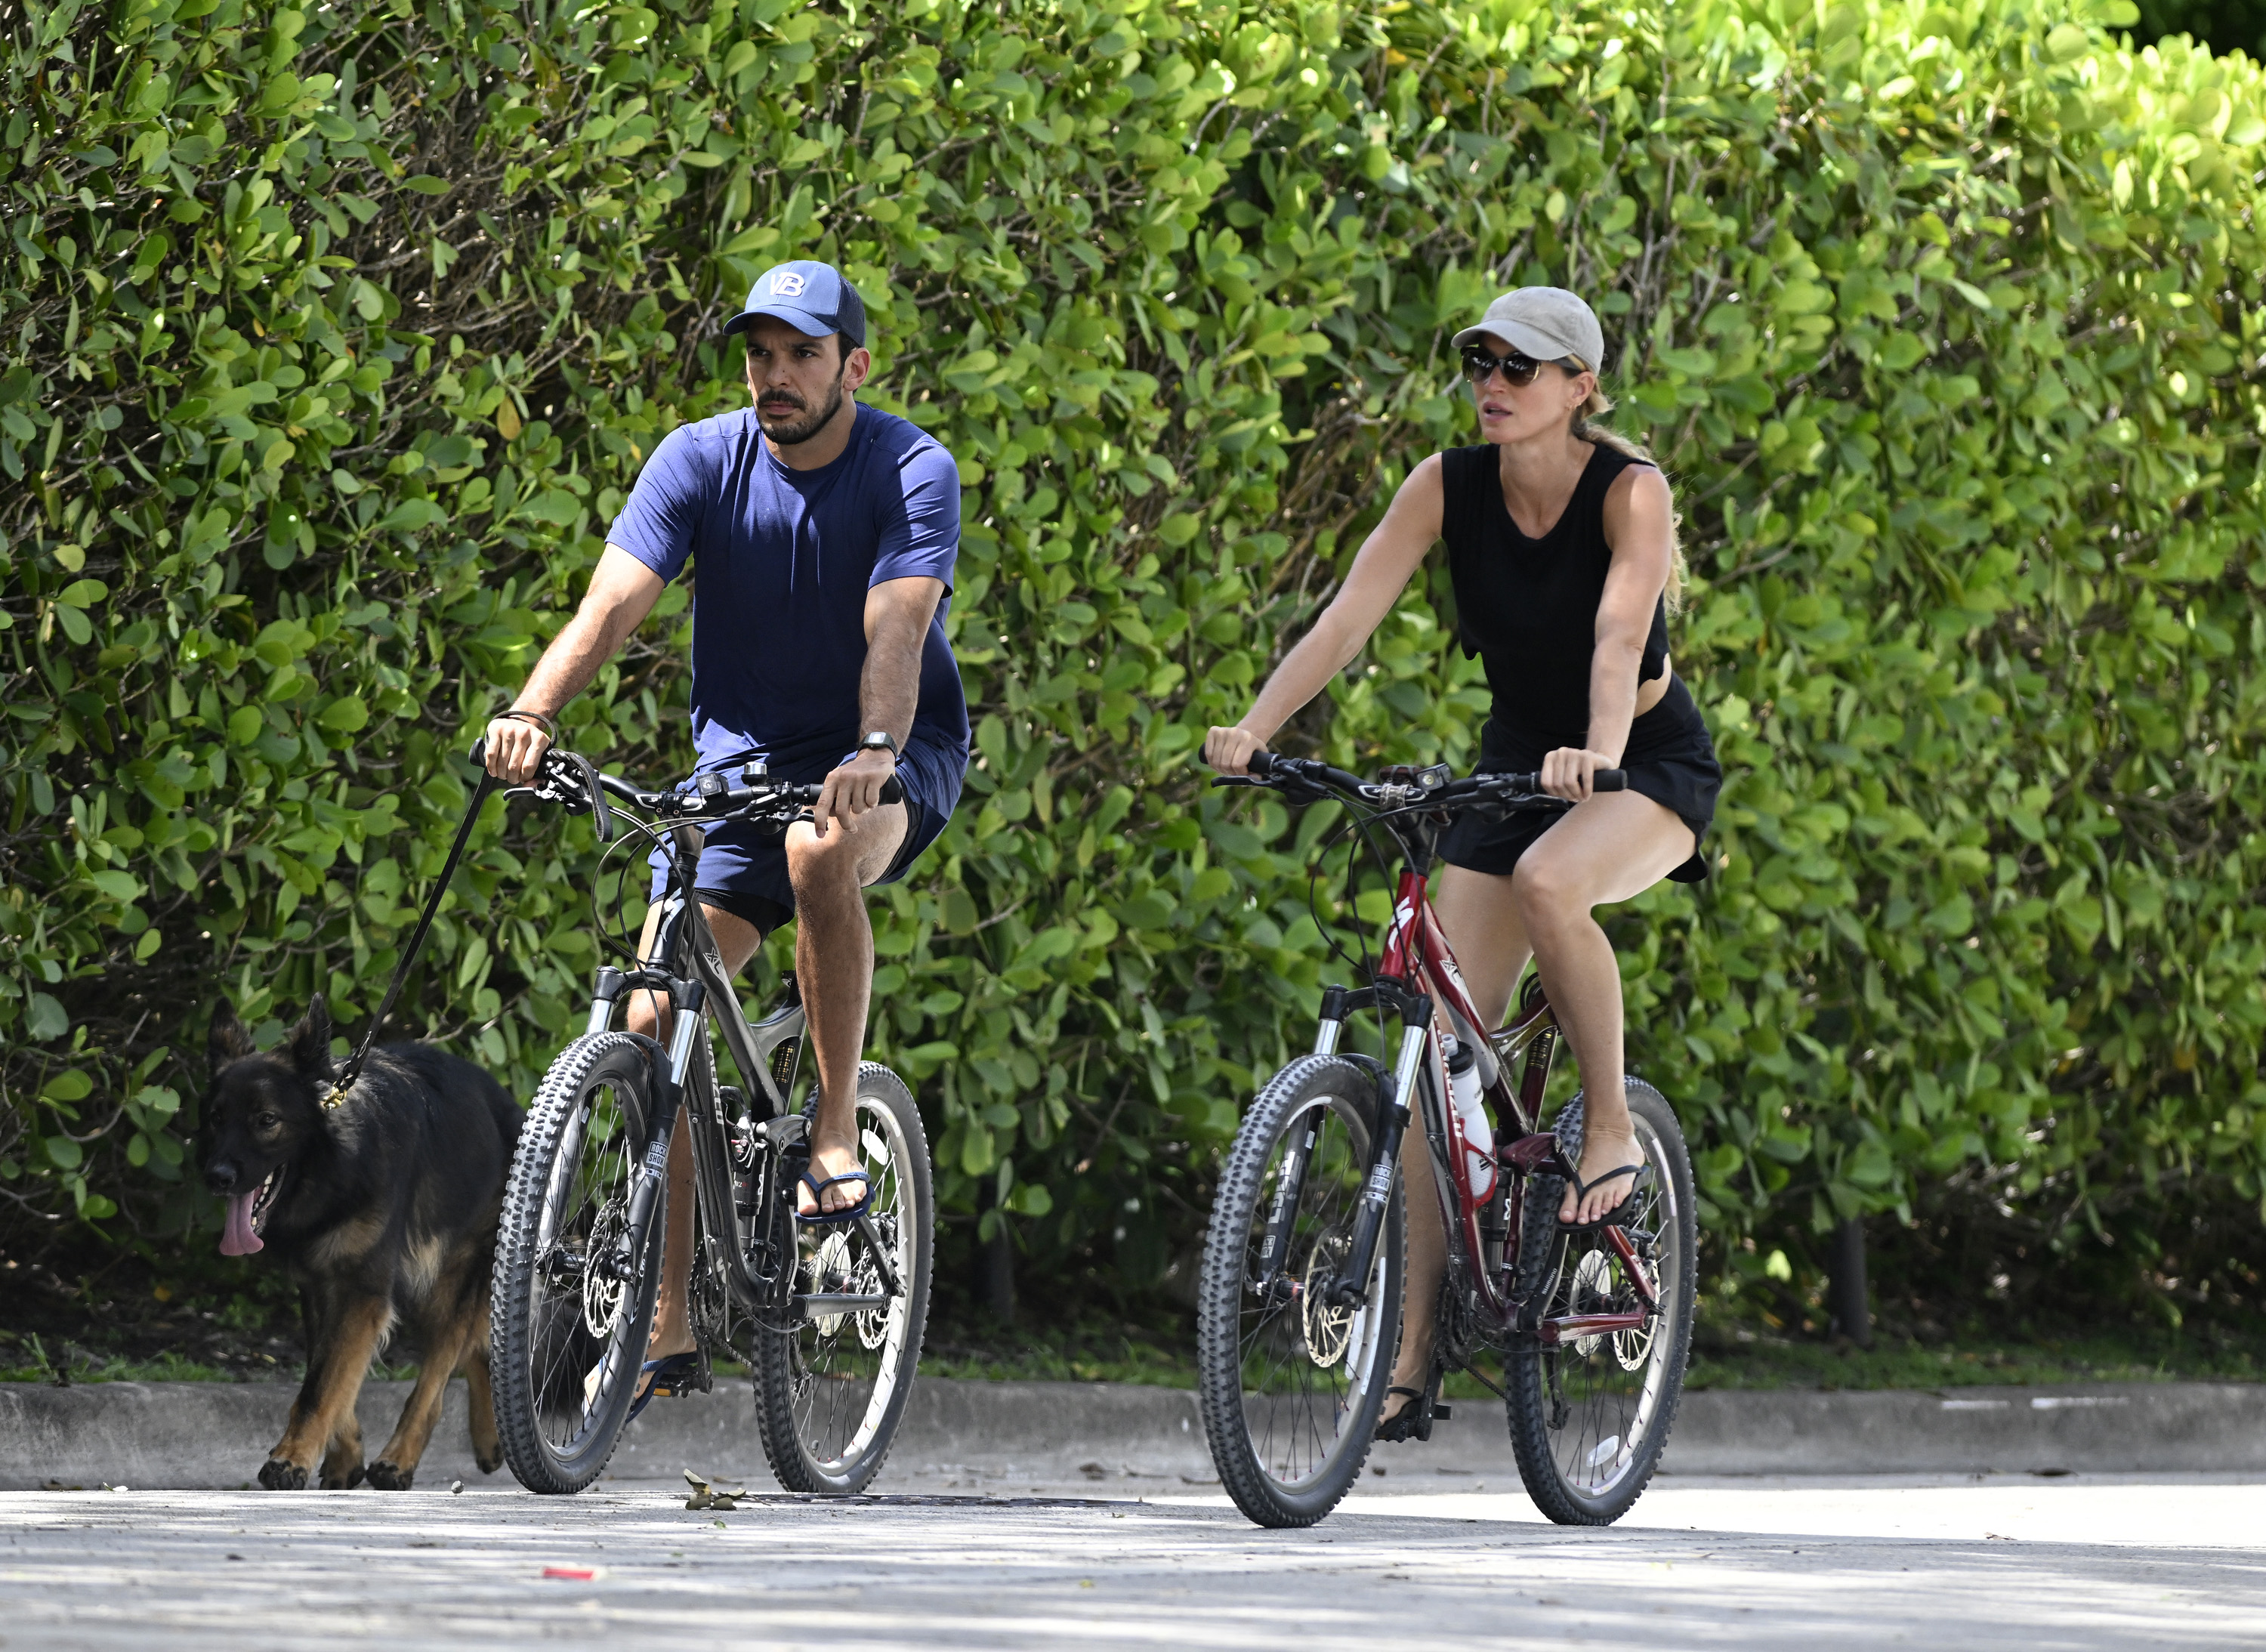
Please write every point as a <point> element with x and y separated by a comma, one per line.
<point>1637,517</point>
<point>1379,575</point>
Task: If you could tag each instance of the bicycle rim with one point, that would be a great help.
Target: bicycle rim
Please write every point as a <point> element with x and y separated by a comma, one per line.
<point>831,1390</point>
<point>572,1311</point>
<point>1590,1418</point>
<point>1291,1384</point>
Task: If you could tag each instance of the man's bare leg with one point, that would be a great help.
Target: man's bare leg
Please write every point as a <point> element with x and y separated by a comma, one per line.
<point>834,964</point>
<point>736,939</point>
<point>1481,923</point>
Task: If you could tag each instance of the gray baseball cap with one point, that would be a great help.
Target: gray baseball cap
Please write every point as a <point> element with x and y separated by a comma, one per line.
<point>1546,323</point>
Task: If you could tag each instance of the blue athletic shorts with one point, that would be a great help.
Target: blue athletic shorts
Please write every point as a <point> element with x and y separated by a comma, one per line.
<point>743,865</point>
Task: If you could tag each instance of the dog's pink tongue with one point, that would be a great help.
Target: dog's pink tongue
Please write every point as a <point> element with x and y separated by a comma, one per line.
<point>238,1239</point>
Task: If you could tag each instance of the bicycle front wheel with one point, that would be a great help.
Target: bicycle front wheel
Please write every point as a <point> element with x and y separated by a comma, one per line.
<point>832,1380</point>
<point>1589,1416</point>
<point>1289,1384</point>
<point>571,1308</point>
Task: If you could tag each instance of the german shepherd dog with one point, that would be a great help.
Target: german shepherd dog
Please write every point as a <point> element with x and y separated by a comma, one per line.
<point>384,1211</point>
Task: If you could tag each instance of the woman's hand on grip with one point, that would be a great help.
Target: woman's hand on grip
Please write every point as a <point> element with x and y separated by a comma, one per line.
<point>1229,751</point>
<point>1566,772</point>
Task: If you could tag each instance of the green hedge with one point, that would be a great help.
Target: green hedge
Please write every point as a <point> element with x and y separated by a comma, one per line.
<point>334,337</point>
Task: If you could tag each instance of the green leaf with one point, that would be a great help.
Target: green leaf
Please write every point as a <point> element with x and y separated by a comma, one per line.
<point>69,1085</point>
<point>425,184</point>
<point>345,714</point>
<point>44,1019</point>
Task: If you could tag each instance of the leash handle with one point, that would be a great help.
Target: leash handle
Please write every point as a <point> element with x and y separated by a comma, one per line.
<point>346,1080</point>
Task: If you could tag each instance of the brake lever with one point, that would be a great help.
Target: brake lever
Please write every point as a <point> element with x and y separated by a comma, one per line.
<point>1237,779</point>
<point>570,780</point>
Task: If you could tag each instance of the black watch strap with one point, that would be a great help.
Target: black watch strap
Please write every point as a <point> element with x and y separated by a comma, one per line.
<point>880,740</point>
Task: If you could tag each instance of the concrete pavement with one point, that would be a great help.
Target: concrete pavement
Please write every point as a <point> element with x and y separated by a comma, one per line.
<point>2041,1564</point>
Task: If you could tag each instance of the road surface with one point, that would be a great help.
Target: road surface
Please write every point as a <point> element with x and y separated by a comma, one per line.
<point>948,1561</point>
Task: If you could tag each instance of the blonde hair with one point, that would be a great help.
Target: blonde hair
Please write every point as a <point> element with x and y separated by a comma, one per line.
<point>1584,426</point>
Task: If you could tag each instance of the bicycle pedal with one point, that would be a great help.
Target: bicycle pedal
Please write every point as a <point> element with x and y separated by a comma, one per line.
<point>1441,1410</point>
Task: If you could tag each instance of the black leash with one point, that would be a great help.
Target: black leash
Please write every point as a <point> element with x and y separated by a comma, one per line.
<point>409,953</point>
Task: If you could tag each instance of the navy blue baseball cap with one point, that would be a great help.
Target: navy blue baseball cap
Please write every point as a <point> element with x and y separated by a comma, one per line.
<point>810,296</point>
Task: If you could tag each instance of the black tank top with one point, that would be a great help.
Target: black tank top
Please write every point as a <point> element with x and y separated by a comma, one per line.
<point>1528,608</point>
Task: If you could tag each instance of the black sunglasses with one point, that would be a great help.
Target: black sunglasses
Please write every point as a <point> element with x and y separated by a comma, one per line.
<point>1519,369</point>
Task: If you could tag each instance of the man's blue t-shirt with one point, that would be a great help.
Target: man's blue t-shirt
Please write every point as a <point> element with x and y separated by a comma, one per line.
<point>784,559</point>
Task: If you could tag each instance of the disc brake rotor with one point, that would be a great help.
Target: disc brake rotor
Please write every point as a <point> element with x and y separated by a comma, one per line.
<point>1328,1329</point>
<point>601,1293</point>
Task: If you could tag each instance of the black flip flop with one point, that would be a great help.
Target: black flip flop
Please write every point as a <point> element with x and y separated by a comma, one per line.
<point>1615,1217</point>
<point>849,1213</point>
<point>1401,1425</point>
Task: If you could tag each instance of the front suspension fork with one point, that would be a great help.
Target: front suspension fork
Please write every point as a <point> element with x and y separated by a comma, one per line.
<point>1351,1285</point>
<point>685,1000</point>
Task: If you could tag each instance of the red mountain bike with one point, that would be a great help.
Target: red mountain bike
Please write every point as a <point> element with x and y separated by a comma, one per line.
<point>1299,1301</point>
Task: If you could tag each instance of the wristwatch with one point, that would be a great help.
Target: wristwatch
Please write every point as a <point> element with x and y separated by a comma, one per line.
<point>880,740</point>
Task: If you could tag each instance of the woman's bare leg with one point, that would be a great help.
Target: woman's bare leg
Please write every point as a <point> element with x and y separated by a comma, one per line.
<point>1478,914</point>
<point>1610,848</point>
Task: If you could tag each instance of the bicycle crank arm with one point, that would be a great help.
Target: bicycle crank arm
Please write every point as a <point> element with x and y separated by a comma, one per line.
<point>827,1306</point>
<point>1573,1326</point>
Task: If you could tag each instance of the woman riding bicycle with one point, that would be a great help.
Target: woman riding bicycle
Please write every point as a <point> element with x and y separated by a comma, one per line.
<point>1563,553</point>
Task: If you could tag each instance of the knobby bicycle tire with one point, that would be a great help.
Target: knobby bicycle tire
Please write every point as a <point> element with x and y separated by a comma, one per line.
<point>540,1332</point>
<point>1586,1459</point>
<point>809,1377</point>
<point>1283,1461</point>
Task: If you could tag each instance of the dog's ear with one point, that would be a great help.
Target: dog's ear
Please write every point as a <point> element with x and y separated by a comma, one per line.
<point>226,1041</point>
<point>309,1046</point>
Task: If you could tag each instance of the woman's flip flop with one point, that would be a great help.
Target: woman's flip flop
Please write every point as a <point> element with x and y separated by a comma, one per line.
<point>849,1213</point>
<point>1615,1217</point>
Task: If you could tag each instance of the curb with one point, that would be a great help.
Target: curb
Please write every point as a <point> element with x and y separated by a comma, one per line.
<point>198,1435</point>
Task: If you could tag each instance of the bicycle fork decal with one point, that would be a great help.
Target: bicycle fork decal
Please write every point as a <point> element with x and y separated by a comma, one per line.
<point>1287,1190</point>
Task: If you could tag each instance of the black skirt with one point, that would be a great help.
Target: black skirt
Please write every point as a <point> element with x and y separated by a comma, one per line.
<point>1669,759</point>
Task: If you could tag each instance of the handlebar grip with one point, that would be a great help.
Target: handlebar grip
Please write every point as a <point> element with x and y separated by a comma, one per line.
<point>479,753</point>
<point>1609,780</point>
<point>1261,763</point>
<point>893,790</point>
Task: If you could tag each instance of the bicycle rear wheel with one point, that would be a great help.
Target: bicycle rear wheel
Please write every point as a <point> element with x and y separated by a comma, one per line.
<point>571,1311</point>
<point>831,1388</point>
<point>1289,1385</point>
<point>1590,1417</point>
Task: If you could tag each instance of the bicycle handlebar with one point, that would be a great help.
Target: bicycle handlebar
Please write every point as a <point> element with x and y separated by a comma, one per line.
<point>563,776</point>
<point>1271,769</point>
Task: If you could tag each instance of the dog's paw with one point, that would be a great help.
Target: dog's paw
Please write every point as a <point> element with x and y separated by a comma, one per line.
<point>386,1477</point>
<point>333,1481</point>
<point>279,1475</point>
<point>489,1462</point>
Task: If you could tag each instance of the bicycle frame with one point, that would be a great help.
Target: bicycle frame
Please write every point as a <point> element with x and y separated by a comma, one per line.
<point>766,1054</point>
<point>1418,976</point>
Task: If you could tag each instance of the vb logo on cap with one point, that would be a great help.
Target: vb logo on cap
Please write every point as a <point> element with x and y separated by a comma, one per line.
<point>810,296</point>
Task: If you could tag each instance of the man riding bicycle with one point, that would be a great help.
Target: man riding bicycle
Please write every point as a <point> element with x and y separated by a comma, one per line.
<point>824,534</point>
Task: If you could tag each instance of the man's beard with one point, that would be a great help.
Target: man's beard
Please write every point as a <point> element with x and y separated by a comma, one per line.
<point>789,433</point>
